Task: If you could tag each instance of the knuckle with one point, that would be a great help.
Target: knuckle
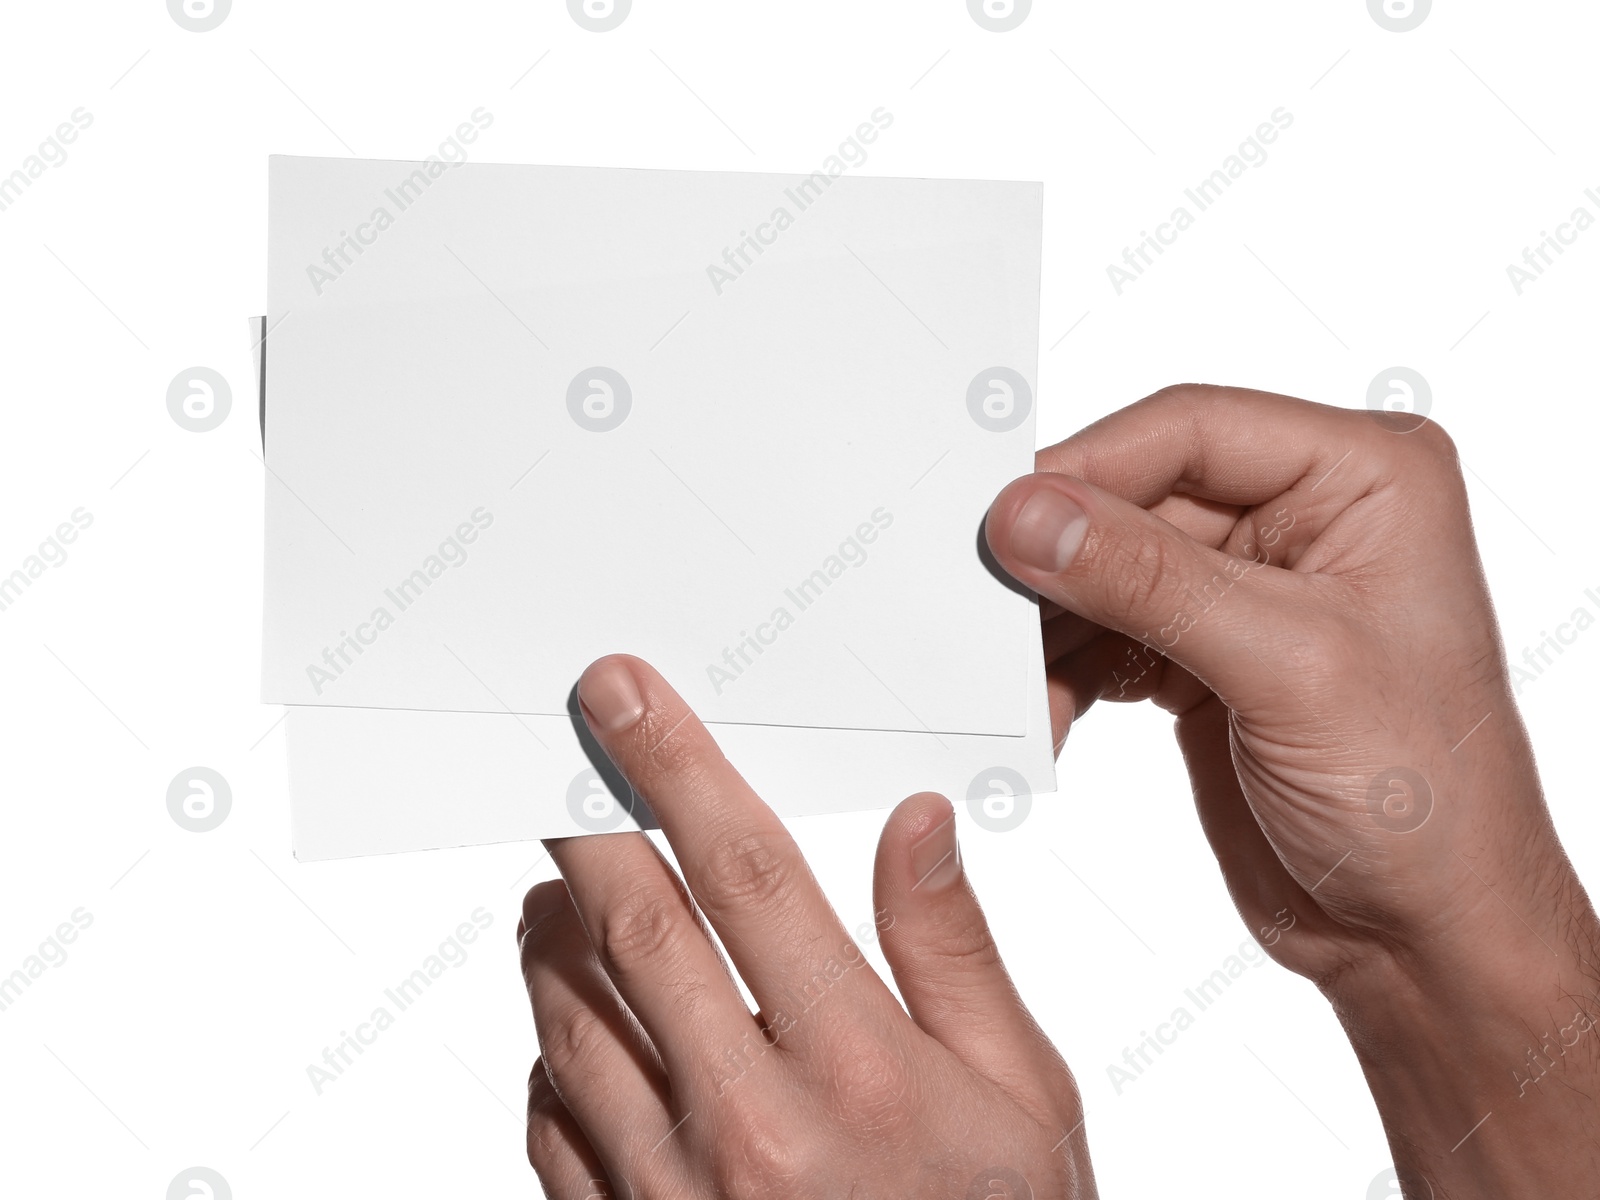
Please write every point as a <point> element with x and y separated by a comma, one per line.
<point>573,1045</point>
<point>545,1112</point>
<point>1435,441</point>
<point>642,929</point>
<point>762,1158</point>
<point>544,1137</point>
<point>1199,405</point>
<point>868,1083</point>
<point>1145,579</point>
<point>750,868</point>
<point>1319,656</point>
<point>1186,394</point>
<point>969,944</point>
<point>542,1144</point>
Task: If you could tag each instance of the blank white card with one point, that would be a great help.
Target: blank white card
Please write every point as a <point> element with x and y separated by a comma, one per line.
<point>744,426</point>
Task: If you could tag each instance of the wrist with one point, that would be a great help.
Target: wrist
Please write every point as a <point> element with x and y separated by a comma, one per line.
<point>1483,1051</point>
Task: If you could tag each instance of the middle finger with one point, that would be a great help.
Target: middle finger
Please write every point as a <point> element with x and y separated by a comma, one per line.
<point>647,936</point>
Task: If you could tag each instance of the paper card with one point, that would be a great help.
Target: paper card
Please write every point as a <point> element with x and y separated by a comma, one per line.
<point>744,426</point>
<point>372,781</point>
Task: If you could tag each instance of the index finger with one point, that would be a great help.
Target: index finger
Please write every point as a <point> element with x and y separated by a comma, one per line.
<point>1230,445</point>
<point>738,860</point>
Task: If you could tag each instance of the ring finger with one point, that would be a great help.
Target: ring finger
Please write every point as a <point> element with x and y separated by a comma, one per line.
<point>649,939</point>
<point>602,1065</point>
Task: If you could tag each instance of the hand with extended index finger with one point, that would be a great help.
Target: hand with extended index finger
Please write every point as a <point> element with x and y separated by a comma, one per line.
<point>655,1079</point>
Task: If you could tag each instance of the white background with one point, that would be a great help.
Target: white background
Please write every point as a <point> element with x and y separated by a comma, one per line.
<point>179,1029</point>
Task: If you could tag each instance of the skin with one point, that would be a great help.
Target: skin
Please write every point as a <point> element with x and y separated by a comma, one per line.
<point>1299,586</point>
<point>656,1080</point>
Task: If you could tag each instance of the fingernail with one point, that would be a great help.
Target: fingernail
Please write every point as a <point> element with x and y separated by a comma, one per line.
<point>935,858</point>
<point>609,693</point>
<point>1048,529</point>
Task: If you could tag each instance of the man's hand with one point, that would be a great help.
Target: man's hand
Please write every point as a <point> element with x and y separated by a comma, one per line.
<point>655,1079</point>
<point>1299,585</point>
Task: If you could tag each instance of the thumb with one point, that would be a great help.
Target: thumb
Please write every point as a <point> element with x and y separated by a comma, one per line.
<point>1125,569</point>
<point>937,943</point>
